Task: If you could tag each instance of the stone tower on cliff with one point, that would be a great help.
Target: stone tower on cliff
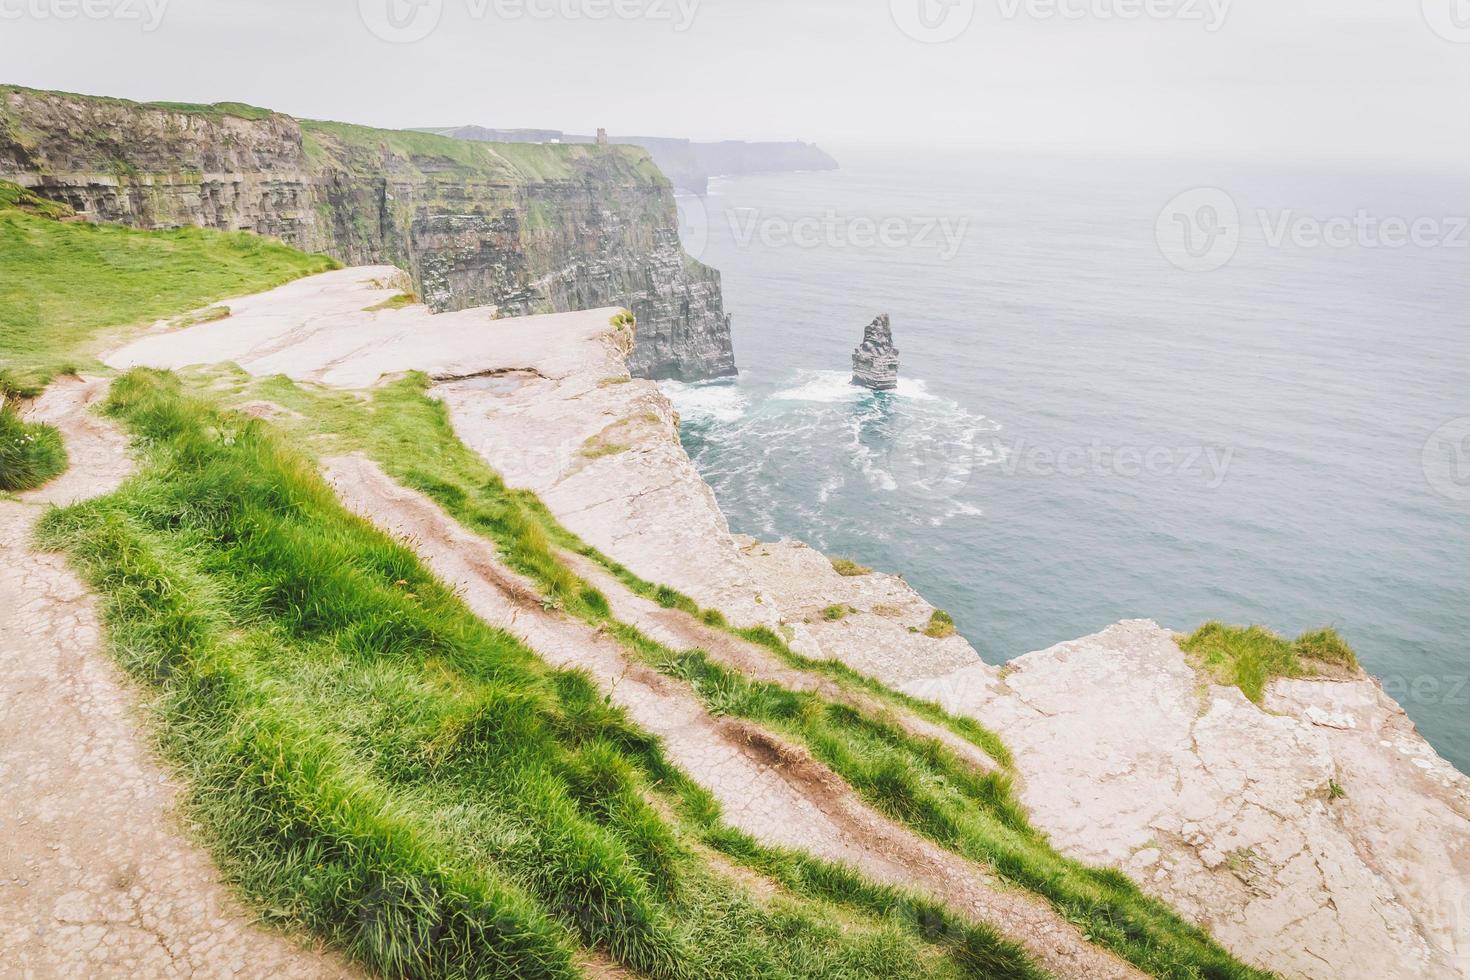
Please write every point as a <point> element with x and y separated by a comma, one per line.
<point>875,362</point>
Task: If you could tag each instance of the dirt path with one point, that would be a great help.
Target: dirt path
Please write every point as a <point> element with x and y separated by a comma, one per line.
<point>774,791</point>
<point>679,631</point>
<point>96,877</point>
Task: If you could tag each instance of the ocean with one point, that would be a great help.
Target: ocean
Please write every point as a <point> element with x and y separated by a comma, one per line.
<point>1172,390</point>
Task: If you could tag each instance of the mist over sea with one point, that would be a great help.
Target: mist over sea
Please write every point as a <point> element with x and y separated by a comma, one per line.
<point>1086,433</point>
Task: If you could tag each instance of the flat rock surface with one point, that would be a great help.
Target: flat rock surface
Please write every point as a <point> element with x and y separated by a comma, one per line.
<point>97,878</point>
<point>1227,810</point>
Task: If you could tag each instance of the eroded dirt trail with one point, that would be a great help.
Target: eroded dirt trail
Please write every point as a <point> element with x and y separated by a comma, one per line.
<point>96,877</point>
<point>776,792</point>
<point>680,631</point>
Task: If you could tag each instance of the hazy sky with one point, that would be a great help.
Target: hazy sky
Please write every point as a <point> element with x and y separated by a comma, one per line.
<point>1362,82</point>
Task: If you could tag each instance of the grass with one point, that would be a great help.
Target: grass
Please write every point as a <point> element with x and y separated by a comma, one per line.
<point>848,568</point>
<point>31,454</point>
<point>62,284</point>
<point>373,763</point>
<point>917,782</point>
<point>940,626</point>
<point>1251,657</point>
<point>394,302</point>
<point>834,613</point>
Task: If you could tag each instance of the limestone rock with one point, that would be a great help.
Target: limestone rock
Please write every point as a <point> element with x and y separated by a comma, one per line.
<point>875,362</point>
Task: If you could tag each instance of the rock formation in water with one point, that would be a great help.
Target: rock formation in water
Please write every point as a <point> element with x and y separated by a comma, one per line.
<point>875,362</point>
<point>523,229</point>
<point>688,164</point>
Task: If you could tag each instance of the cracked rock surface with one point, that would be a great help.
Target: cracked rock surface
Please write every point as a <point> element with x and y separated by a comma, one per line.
<point>1228,810</point>
<point>96,877</point>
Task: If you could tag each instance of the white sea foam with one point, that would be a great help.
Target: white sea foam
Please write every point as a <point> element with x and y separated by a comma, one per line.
<point>722,401</point>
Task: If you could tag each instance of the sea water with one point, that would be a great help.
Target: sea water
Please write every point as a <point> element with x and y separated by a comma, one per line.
<point>1095,422</point>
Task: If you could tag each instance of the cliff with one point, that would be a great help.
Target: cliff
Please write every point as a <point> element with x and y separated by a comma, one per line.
<point>688,164</point>
<point>1315,834</point>
<point>522,228</point>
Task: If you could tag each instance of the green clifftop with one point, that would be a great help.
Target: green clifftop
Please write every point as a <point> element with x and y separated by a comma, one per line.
<point>522,227</point>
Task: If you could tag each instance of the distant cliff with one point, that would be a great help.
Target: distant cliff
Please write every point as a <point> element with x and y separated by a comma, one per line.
<point>521,227</point>
<point>688,164</point>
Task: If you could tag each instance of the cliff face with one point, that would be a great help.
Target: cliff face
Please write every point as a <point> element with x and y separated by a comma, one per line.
<point>688,164</point>
<point>521,228</point>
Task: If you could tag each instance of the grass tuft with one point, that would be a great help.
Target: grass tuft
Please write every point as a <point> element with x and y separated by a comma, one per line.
<point>1251,657</point>
<point>848,568</point>
<point>31,454</point>
<point>940,626</point>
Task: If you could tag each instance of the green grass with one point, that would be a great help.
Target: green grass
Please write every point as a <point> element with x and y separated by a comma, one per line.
<point>834,613</point>
<point>1251,657</point>
<point>363,148</point>
<point>848,568</point>
<point>31,454</point>
<point>373,763</point>
<point>915,781</point>
<point>62,284</point>
<point>394,302</point>
<point>940,626</point>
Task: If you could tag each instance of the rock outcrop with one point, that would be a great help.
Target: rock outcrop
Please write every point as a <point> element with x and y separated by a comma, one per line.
<point>875,362</point>
<point>520,228</point>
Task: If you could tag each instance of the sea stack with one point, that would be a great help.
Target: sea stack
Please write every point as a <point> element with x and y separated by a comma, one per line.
<point>875,362</point>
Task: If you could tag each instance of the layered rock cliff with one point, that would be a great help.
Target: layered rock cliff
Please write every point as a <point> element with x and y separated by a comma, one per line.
<point>688,164</point>
<point>521,228</point>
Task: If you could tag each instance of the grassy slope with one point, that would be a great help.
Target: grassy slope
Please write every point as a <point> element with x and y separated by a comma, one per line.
<point>356,147</point>
<point>914,781</point>
<point>63,284</point>
<point>376,764</point>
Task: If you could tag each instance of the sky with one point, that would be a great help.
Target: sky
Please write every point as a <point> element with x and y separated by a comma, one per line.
<point>1356,83</point>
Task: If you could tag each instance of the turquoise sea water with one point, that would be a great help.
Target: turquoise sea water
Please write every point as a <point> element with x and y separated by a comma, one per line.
<point>1086,433</point>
